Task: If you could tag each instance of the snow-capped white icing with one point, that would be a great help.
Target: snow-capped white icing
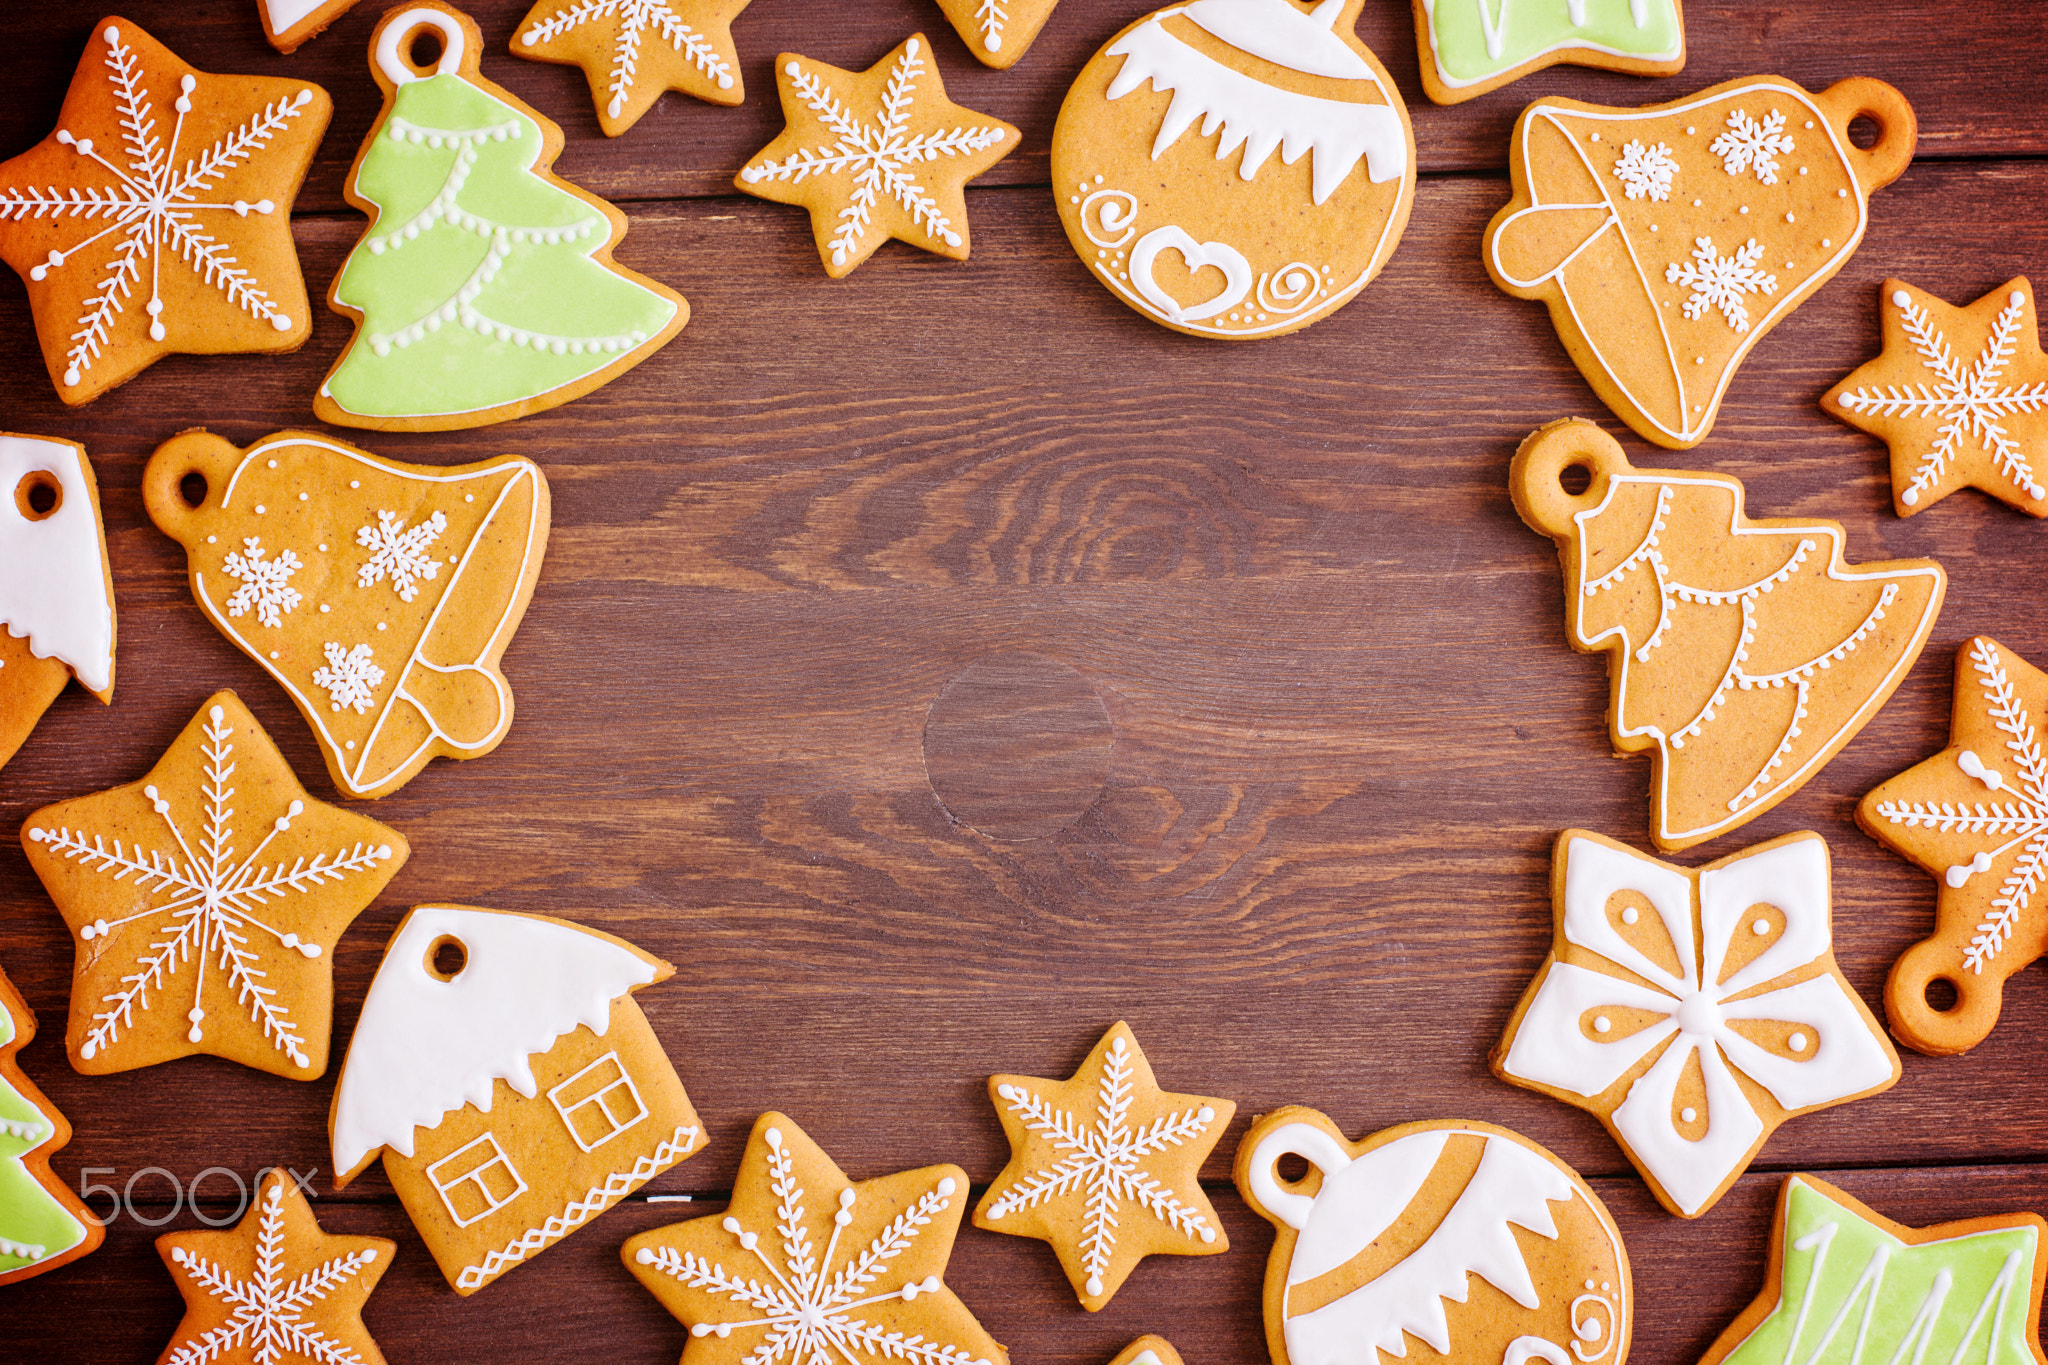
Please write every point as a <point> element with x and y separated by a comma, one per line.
<point>53,575</point>
<point>1275,31</point>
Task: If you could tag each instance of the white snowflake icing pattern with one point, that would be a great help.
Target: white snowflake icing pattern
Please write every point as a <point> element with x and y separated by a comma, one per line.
<point>1718,281</point>
<point>1105,1158</point>
<point>267,1310</point>
<point>991,18</point>
<point>399,552</point>
<point>154,206</point>
<point>808,1307</point>
<point>878,154</point>
<point>205,905</point>
<point>1646,170</point>
<point>1749,145</point>
<point>636,18</point>
<point>1967,401</point>
<point>349,677</point>
<point>266,583</point>
<point>2023,818</point>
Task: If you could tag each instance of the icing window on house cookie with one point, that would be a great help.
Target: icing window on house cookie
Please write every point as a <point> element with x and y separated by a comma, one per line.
<point>476,1180</point>
<point>599,1102</point>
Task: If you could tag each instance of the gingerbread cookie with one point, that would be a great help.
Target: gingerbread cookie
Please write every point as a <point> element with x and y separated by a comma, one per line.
<point>1960,395</point>
<point>633,50</point>
<point>1693,1010</point>
<point>805,1264</point>
<point>56,591</point>
<point>1148,1350</point>
<point>1200,228</point>
<point>511,1083</point>
<point>207,899</point>
<point>1472,46</point>
<point>998,32</point>
<point>1380,1241</point>
<point>1668,240</point>
<point>1106,1167</point>
<point>1842,1275</point>
<point>484,287</point>
<point>156,219</point>
<point>1742,655</point>
<point>288,24</point>
<point>275,1287</point>
<point>876,154</point>
<point>380,594</point>
<point>42,1223</point>
<point>1975,816</point>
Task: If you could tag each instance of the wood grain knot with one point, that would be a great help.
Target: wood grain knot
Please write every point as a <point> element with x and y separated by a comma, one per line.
<point>1017,746</point>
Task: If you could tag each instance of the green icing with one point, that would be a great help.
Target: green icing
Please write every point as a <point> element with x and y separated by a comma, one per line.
<point>29,1214</point>
<point>1853,1294</point>
<point>428,291</point>
<point>1528,28</point>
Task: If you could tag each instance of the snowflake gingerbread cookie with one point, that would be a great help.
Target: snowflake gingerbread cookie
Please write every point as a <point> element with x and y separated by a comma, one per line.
<point>1668,240</point>
<point>484,287</point>
<point>1470,47</point>
<point>1382,1239</point>
<point>380,594</point>
<point>1975,817</point>
<point>42,1223</point>
<point>1742,655</point>
<point>1960,395</point>
<point>806,1265</point>
<point>876,154</point>
<point>633,50</point>
<point>1105,1166</point>
<point>998,32</point>
<point>207,899</point>
<point>1167,181</point>
<point>1693,1010</point>
<point>156,219</point>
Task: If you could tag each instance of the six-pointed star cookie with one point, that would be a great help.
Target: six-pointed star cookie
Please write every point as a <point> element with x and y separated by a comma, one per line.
<point>1104,1166</point>
<point>876,154</point>
<point>275,1288</point>
<point>157,218</point>
<point>207,899</point>
<point>1959,394</point>
<point>633,50</point>
<point>805,1266</point>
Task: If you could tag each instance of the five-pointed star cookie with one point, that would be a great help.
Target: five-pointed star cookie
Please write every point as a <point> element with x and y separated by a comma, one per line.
<point>1104,1166</point>
<point>275,1288</point>
<point>876,154</point>
<point>1959,394</point>
<point>998,32</point>
<point>633,50</point>
<point>207,899</point>
<point>157,217</point>
<point>805,1266</point>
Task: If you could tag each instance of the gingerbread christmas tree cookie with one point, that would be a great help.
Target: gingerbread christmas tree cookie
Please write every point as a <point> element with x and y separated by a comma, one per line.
<point>633,50</point>
<point>998,32</point>
<point>807,1265</point>
<point>380,594</point>
<point>290,23</point>
<point>207,899</point>
<point>42,1223</point>
<point>156,219</point>
<point>1472,46</point>
<point>1742,655</point>
<point>1960,395</point>
<point>1105,1166</point>
<point>876,154</point>
<point>483,288</point>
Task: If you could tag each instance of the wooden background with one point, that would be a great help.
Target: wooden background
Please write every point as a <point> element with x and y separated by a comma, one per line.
<point>1270,597</point>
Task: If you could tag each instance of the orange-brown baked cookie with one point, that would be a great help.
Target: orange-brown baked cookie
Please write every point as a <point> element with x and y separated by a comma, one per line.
<point>1148,1350</point>
<point>290,23</point>
<point>1470,47</point>
<point>633,50</point>
<point>998,32</point>
<point>42,1223</point>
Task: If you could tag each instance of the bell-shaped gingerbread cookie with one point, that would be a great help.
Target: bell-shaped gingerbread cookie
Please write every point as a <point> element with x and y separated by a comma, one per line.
<point>380,594</point>
<point>1667,240</point>
<point>1742,655</point>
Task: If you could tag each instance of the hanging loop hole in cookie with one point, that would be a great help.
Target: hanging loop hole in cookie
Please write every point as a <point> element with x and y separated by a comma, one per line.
<point>1898,131</point>
<point>38,496</point>
<point>1290,1145</point>
<point>1561,471</point>
<point>185,481</point>
<point>446,958</point>
<point>406,45</point>
<point>192,488</point>
<point>1935,1006</point>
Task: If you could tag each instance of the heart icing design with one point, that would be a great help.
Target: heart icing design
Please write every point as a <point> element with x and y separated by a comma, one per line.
<point>1237,272</point>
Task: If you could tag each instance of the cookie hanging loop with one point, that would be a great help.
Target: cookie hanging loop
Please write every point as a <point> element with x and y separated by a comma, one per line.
<point>1898,130</point>
<point>1536,479</point>
<point>394,45</point>
<point>1922,1027</point>
<point>1260,1164</point>
<point>198,455</point>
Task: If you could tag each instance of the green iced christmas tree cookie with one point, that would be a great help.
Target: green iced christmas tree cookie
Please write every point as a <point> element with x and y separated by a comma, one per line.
<point>42,1224</point>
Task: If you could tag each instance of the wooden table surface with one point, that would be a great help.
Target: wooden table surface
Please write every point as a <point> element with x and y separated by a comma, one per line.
<point>1306,721</point>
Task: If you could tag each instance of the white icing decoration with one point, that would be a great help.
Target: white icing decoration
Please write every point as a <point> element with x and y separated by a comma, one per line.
<point>1106,218</point>
<point>1722,282</point>
<point>1749,145</point>
<point>1275,31</point>
<point>266,583</point>
<point>425,1047</point>
<point>350,677</point>
<point>1237,272</point>
<point>1494,27</point>
<point>635,19</point>
<point>1550,1048</point>
<point>53,571</point>
<point>1646,171</point>
<point>396,41</point>
<point>399,553</point>
<point>285,14</point>
<point>989,18</point>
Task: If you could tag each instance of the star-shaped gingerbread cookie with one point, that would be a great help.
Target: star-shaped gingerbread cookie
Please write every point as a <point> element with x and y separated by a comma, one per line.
<point>274,1288</point>
<point>207,899</point>
<point>633,50</point>
<point>1105,1166</point>
<point>806,1265</point>
<point>876,154</point>
<point>1959,394</point>
<point>156,219</point>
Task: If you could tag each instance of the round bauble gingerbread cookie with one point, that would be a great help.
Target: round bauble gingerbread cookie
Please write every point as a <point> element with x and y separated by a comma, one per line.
<point>1235,168</point>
